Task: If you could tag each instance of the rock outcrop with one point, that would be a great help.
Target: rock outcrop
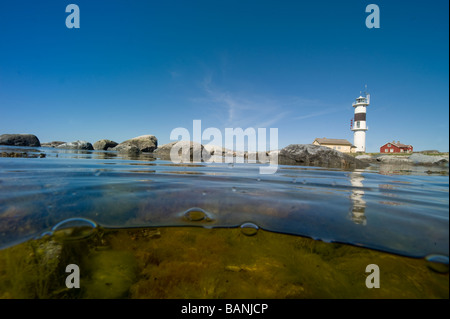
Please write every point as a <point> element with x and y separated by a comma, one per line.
<point>20,140</point>
<point>392,159</point>
<point>145,143</point>
<point>77,145</point>
<point>127,149</point>
<point>421,159</point>
<point>413,159</point>
<point>103,145</point>
<point>314,155</point>
<point>195,153</point>
<point>215,150</point>
<point>52,144</point>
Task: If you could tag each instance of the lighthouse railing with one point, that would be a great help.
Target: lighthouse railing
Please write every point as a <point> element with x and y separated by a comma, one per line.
<point>364,102</point>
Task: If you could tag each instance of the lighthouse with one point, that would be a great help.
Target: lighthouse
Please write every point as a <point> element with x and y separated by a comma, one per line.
<point>359,125</point>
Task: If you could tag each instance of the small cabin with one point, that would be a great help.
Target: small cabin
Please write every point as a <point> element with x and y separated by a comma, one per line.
<point>340,145</point>
<point>396,147</point>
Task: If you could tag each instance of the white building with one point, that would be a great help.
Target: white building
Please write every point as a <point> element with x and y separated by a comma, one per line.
<point>359,127</point>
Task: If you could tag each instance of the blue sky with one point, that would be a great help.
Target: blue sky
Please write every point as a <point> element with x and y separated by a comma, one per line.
<point>147,67</point>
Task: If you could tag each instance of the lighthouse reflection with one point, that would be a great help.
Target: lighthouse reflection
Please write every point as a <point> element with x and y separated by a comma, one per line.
<point>358,205</point>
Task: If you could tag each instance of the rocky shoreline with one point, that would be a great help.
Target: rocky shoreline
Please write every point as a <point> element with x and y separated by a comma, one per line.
<point>416,158</point>
<point>294,154</point>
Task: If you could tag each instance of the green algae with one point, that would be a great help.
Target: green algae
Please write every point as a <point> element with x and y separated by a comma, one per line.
<point>30,270</point>
<point>219,263</point>
<point>111,274</point>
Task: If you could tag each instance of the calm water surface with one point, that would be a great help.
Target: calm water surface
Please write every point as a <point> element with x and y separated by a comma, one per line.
<point>401,211</point>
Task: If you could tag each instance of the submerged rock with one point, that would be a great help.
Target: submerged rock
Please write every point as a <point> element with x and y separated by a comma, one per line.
<point>77,145</point>
<point>104,144</point>
<point>19,140</point>
<point>22,154</point>
<point>144,143</point>
<point>314,155</point>
<point>49,254</point>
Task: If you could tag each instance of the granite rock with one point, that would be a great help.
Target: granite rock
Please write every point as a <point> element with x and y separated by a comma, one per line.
<point>20,140</point>
<point>314,155</point>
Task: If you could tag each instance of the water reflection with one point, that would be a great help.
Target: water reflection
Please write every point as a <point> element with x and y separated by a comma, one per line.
<point>358,206</point>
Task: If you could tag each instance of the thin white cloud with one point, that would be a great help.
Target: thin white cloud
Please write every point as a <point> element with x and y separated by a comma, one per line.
<point>242,110</point>
<point>270,122</point>
<point>315,114</point>
<point>233,109</point>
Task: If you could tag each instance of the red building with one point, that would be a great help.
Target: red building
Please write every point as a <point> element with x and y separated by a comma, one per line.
<point>396,147</point>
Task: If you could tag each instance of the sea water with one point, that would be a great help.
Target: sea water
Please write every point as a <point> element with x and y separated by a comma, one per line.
<point>141,227</point>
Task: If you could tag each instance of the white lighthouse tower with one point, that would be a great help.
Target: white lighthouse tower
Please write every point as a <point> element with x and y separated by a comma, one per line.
<point>360,127</point>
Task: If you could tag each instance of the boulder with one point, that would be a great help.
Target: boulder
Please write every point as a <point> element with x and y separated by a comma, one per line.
<point>77,145</point>
<point>273,156</point>
<point>19,140</point>
<point>52,144</point>
<point>128,149</point>
<point>421,159</point>
<point>103,145</point>
<point>314,155</point>
<point>364,157</point>
<point>257,156</point>
<point>367,158</point>
<point>215,150</point>
<point>145,143</point>
<point>163,151</point>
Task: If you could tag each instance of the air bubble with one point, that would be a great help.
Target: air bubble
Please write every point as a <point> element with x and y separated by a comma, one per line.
<point>437,263</point>
<point>74,228</point>
<point>249,229</point>
<point>195,214</point>
<point>233,189</point>
<point>44,234</point>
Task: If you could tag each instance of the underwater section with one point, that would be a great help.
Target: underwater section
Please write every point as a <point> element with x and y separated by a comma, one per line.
<point>219,263</point>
